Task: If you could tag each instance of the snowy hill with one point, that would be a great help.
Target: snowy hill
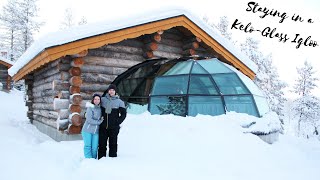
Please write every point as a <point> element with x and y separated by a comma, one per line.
<point>155,147</point>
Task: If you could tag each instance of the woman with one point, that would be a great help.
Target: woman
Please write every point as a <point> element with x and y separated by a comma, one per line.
<point>90,129</point>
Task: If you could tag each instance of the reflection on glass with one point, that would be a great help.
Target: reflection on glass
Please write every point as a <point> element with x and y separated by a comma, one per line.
<point>168,105</point>
<point>241,104</point>
<point>202,84</point>
<point>207,105</point>
<point>230,84</point>
<point>170,85</point>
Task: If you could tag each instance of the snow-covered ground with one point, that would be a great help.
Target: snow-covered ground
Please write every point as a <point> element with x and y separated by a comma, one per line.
<point>154,147</point>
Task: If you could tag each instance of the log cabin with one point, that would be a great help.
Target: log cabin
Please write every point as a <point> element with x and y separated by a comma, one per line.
<point>63,69</point>
<point>5,79</point>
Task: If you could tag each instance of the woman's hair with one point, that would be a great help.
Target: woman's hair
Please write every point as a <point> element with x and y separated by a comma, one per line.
<point>93,96</point>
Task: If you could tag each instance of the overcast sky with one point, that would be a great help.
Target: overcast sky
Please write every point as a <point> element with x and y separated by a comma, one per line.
<point>286,56</point>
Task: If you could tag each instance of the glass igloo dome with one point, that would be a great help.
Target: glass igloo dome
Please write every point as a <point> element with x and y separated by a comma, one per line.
<point>207,87</point>
<point>190,87</point>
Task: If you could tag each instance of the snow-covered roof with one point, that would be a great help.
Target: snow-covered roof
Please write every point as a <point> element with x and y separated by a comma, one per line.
<point>89,30</point>
<point>6,60</point>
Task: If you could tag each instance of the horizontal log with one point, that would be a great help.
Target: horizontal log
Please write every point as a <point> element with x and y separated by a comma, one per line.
<point>111,62</point>
<point>42,87</point>
<point>191,45</point>
<point>75,81</point>
<point>63,76</point>
<point>116,55</point>
<point>75,108</point>
<point>152,38</point>
<point>173,31</point>
<point>58,85</point>
<point>75,99</point>
<point>63,95</point>
<point>77,62</point>
<point>189,52</point>
<point>168,35</point>
<point>170,49</point>
<point>131,43</point>
<point>80,54</point>
<point>44,106</point>
<point>46,113</point>
<point>88,95</point>
<point>74,129</point>
<point>3,74</point>
<point>74,89</point>
<point>47,67</point>
<point>47,93</point>
<point>45,120</point>
<point>62,124</point>
<point>193,39</point>
<point>63,113</point>
<point>123,49</point>
<point>102,69</point>
<point>60,104</point>
<point>166,54</point>
<point>75,71</point>
<point>171,42</point>
<point>44,99</point>
<point>91,87</point>
<point>97,78</point>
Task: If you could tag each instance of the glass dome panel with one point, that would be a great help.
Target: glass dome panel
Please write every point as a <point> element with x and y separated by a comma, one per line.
<point>207,105</point>
<point>213,66</point>
<point>180,68</point>
<point>170,85</point>
<point>202,84</point>
<point>168,105</point>
<point>230,84</point>
<point>241,104</point>
<point>262,104</point>
<point>197,69</point>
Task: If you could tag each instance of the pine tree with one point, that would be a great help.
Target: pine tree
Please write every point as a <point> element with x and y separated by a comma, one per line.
<point>18,23</point>
<point>307,106</point>
<point>28,11</point>
<point>223,27</point>
<point>267,78</point>
<point>68,19</point>
<point>82,21</point>
<point>10,24</point>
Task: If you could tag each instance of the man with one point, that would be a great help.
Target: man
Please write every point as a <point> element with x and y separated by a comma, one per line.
<point>114,113</point>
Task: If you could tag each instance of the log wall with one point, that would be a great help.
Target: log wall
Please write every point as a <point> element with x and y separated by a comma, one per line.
<point>4,77</point>
<point>57,93</point>
<point>46,90</point>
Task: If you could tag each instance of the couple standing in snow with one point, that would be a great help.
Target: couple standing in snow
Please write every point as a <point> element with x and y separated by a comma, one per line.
<point>103,118</point>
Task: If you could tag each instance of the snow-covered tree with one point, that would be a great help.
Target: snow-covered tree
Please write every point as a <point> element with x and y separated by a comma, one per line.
<point>267,78</point>
<point>18,24</point>
<point>223,27</point>
<point>10,25</point>
<point>28,13</point>
<point>82,21</point>
<point>68,20</point>
<point>307,106</point>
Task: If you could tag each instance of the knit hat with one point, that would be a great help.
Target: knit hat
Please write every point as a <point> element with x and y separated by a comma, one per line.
<point>93,96</point>
<point>112,86</point>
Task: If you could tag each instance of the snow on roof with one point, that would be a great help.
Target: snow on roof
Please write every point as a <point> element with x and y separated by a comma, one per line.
<point>89,30</point>
<point>6,60</point>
